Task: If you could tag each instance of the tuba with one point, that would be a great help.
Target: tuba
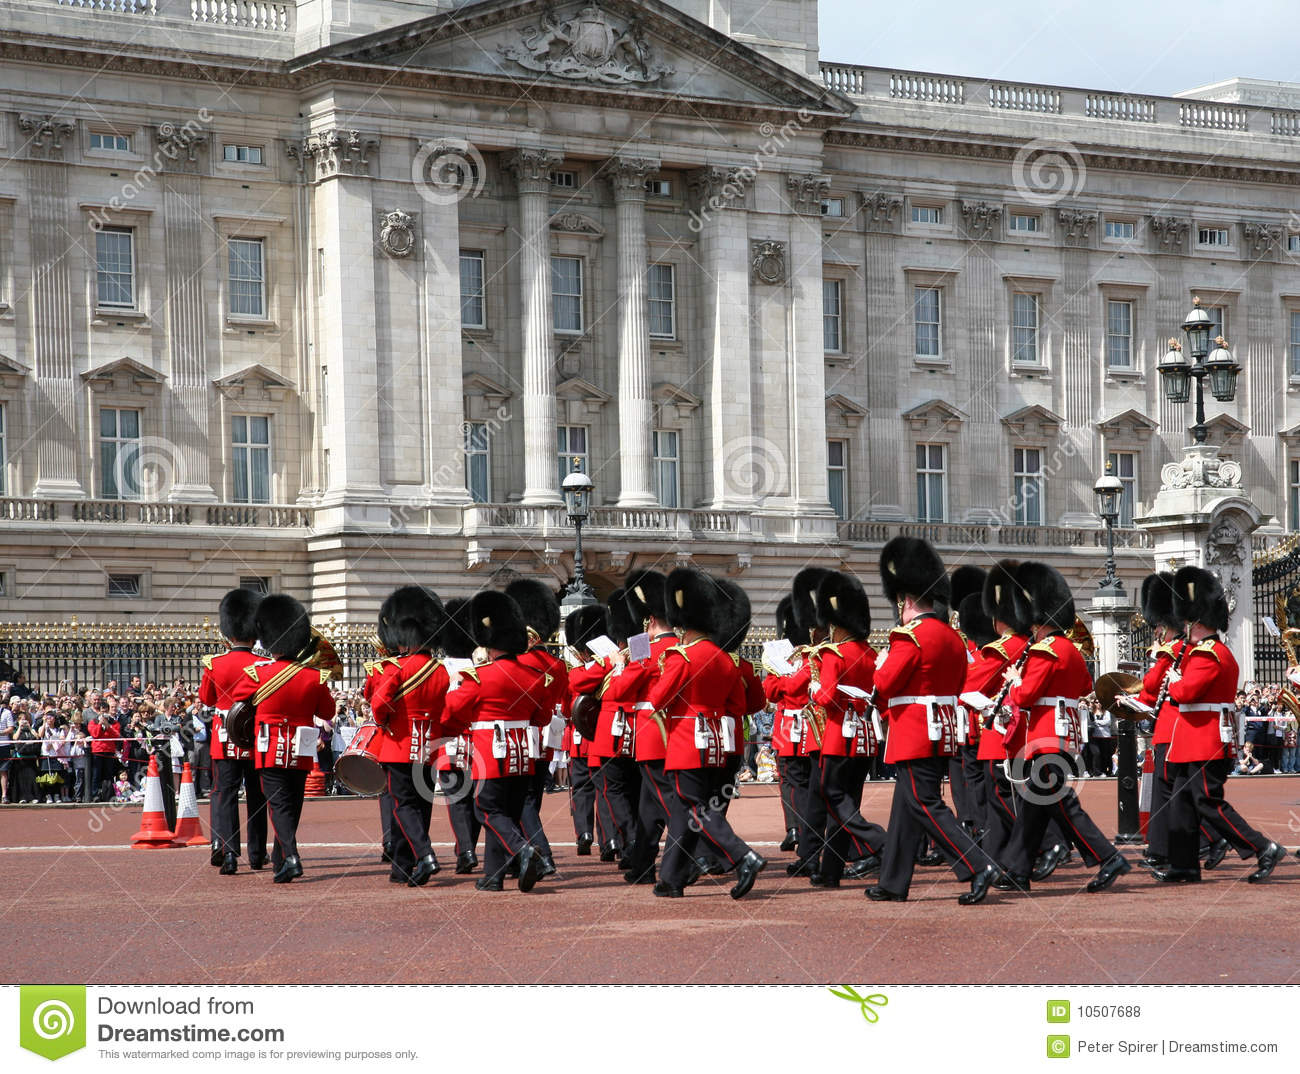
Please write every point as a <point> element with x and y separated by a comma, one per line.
<point>322,657</point>
<point>1291,643</point>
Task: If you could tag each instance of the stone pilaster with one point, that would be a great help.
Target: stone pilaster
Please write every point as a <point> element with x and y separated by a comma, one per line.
<point>627,177</point>
<point>884,344</point>
<point>531,169</point>
<point>985,496</point>
<point>1077,383</point>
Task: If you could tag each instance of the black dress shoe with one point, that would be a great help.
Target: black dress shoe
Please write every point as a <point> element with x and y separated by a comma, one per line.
<point>466,862</point>
<point>979,887</point>
<point>512,870</point>
<point>257,861</point>
<point>487,883</point>
<point>791,839</point>
<point>609,852</point>
<point>426,867</point>
<point>1007,882</point>
<point>547,867</point>
<point>878,894</point>
<point>1047,862</point>
<point>1176,876</point>
<point>386,855</point>
<point>289,870</point>
<point>807,867</point>
<point>693,875</point>
<point>711,866</point>
<point>1111,869</point>
<point>646,876</point>
<point>1217,852</point>
<point>530,868</point>
<point>396,876</point>
<point>1152,863</point>
<point>584,845</point>
<point>218,856</point>
<point>820,880</point>
<point>666,891</point>
<point>856,870</point>
<point>229,864</point>
<point>1268,859</point>
<point>932,858</point>
<point>746,873</point>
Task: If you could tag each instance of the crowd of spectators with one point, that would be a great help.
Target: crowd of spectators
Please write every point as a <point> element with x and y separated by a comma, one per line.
<point>1270,731</point>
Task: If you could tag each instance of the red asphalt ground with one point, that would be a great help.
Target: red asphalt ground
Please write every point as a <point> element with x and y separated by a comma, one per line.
<point>78,906</point>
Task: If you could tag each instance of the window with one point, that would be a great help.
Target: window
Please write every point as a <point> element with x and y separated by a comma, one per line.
<point>255,583</point>
<point>832,316</point>
<point>1123,464</point>
<point>1293,244</point>
<point>1295,345</point>
<point>247,278</point>
<point>662,284</point>
<point>571,443</point>
<point>1119,335</point>
<point>928,312</point>
<point>1027,486</point>
<point>1219,315</point>
<point>566,293</point>
<point>243,154</point>
<point>478,472</point>
<point>473,306</point>
<point>119,454</point>
<point>4,455</point>
<point>115,267</point>
<point>931,483</point>
<point>126,586</point>
<point>833,207</point>
<point>659,188</point>
<point>927,214</point>
<point>1212,236</point>
<point>1024,329</point>
<point>568,180</point>
<point>1293,503</point>
<point>837,476</point>
<point>250,458</point>
<point>1119,229</point>
<point>667,462</point>
<point>1025,222</point>
<point>110,143</point>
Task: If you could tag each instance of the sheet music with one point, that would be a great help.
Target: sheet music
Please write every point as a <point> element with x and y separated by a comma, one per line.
<point>853,691</point>
<point>776,656</point>
<point>1271,626</point>
<point>638,647</point>
<point>602,647</point>
<point>976,700</point>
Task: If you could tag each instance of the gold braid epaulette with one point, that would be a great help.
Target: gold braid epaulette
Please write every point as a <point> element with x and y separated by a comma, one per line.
<point>1207,646</point>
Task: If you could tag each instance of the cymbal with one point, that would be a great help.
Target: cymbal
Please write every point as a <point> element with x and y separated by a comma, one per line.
<point>1114,684</point>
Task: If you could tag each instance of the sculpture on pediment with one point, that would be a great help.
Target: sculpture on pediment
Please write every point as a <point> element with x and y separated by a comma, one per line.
<point>1170,230</point>
<point>980,218</point>
<point>588,48</point>
<point>1225,545</point>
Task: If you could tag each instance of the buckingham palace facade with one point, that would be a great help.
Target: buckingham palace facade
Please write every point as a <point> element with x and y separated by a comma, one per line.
<point>329,296</point>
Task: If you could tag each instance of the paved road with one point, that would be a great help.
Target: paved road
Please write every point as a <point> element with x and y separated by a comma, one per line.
<point>103,913</point>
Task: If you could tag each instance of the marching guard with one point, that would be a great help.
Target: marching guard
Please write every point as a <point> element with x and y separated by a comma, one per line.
<point>804,732</point>
<point>785,709</point>
<point>452,762</point>
<point>233,766</point>
<point>386,647</point>
<point>581,626</point>
<point>965,776</point>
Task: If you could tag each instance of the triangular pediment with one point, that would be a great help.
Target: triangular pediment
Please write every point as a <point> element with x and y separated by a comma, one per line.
<point>675,395</point>
<point>577,388</point>
<point>11,366</point>
<point>1129,423</point>
<point>636,46</point>
<point>256,371</point>
<point>1225,429</point>
<point>479,384</point>
<point>934,412</point>
<point>123,374</point>
<point>1034,420</point>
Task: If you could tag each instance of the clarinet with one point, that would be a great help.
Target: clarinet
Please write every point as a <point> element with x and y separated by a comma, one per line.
<point>1000,702</point>
<point>1163,695</point>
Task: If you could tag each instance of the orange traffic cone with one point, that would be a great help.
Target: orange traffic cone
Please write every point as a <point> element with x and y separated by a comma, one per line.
<point>1144,790</point>
<point>189,830</point>
<point>315,781</point>
<point>154,833</point>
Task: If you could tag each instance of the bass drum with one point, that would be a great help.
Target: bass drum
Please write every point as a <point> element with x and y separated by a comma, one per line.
<point>357,767</point>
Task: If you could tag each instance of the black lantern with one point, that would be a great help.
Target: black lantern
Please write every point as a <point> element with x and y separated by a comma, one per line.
<point>1223,371</point>
<point>1109,489</point>
<point>1176,371</point>
<point>577,490</point>
<point>1198,327</point>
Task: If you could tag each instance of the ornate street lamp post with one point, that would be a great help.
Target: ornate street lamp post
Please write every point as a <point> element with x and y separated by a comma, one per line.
<point>577,489</point>
<point>1217,365</point>
<point>1109,489</point>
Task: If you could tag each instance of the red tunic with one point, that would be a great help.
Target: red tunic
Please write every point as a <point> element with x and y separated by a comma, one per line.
<point>851,663</point>
<point>221,674</point>
<point>920,676</point>
<point>555,684</point>
<point>620,692</point>
<point>407,702</point>
<point>1166,656</point>
<point>985,676</point>
<point>297,703</point>
<point>585,679</point>
<point>506,705</point>
<point>697,684</point>
<point>1055,671</point>
<point>1205,697</point>
<point>650,745</point>
<point>750,700</point>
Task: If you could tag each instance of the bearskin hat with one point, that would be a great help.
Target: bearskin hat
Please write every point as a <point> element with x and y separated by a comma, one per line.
<point>583,624</point>
<point>1043,596</point>
<point>734,615</point>
<point>910,567</point>
<point>803,596</point>
<point>965,580</point>
<point>283,627</point>
<point>411,617</point>
<point>1157,601</point>
<point>975,624</point>
<point>998,596</point>
<point>539,604</point>
<point>842,602</point>
<point>786,625</point>
<point>693,601</point>
<point>622,625</point>
<point>237,614</point>
<point>497,622</point>
<point>456,639</point>
<point>1199,598</point>
<point>646,593</point>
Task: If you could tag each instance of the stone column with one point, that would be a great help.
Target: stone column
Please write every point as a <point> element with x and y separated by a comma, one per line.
<point>979,284</point>
<point>1077,382</point>
<point>734,460</point>
<point>532,171</point>
<point>886,340</point>
<point>1110,615</point>
<point>627,176</point>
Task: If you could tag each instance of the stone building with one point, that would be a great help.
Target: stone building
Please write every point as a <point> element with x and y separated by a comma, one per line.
<point>329,295</point>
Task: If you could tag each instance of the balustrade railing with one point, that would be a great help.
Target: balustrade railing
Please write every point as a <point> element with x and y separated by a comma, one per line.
<point>988,535</point>
<point>274,16</point>
<point>140,513</point>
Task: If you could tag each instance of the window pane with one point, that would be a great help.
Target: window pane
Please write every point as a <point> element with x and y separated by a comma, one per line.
<point>239,429</point>
<point>259,429</point>
<point>926,306</point>
<point>835,452</point>
<point>662,300</point>
<point>114,267</point>
<point>239,468</point>
<point>128,423</point>
<point>107,422</point>
<point>1119,332</point>
<point>246,278</point>
<point>108,470</point>
<point>1024,328</point>
<point>476,476</point>
<point>566,290</point>
<point>472,306</point>
<point>835,491</point>
<point>831,315</point>
<point>260,466</point>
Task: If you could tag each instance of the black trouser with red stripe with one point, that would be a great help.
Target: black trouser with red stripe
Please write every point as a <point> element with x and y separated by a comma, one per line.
<point>697,821</point>
<point>1198,800</point>
<point>653,813</point>
<point>606,830</point>
<point>459,792</point>
<point>411,788</point>
<point>804,773</point>
<point>223,814</point>
<point>966,777</point>
<point>582,796</point>
<point>1162,789</point>
<point>1047,796</point>
<point>621,788</point>
<point>386,826</point>
<point>532,819</point>
<point>919,809</point>
<point>789,808</point>
<point>500,805</point>
<point>1000,811</point>
<point>848,834</point>
<point>285,789</point>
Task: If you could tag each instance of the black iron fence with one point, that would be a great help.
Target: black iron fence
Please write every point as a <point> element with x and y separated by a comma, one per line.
<point>1276,576</point>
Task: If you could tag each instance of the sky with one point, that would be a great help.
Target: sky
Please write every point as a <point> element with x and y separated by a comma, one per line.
<point>1136,46</point>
